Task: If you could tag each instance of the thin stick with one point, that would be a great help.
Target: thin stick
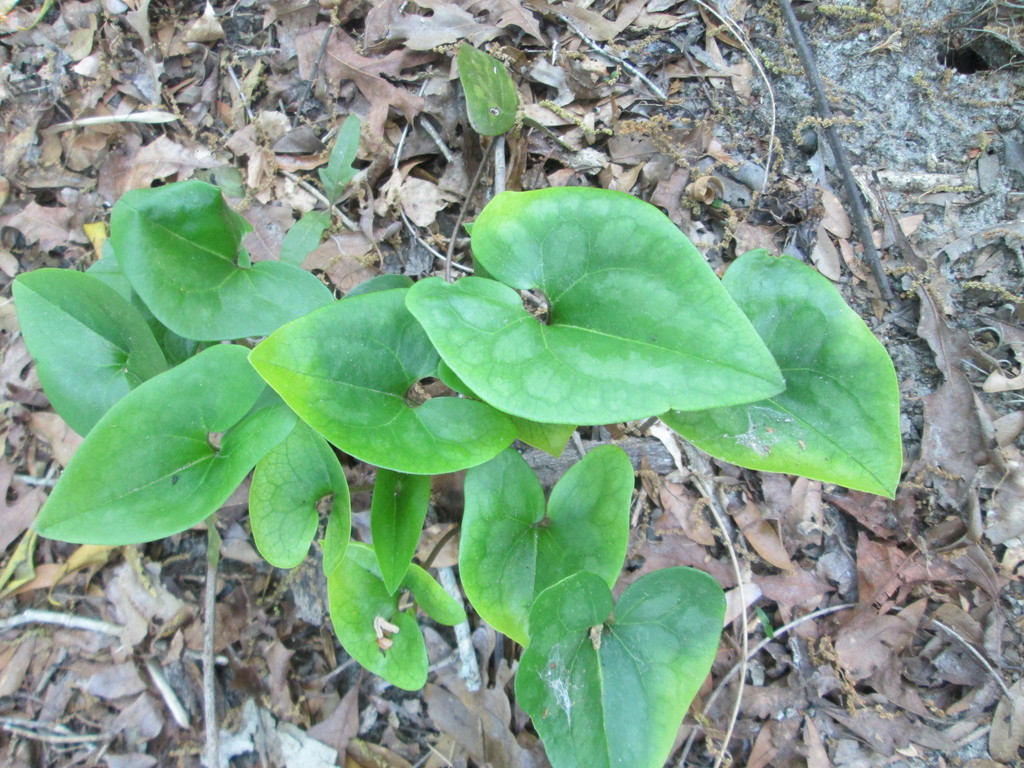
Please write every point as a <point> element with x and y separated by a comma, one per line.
<point>469,671</point>
<point>702,478</point>
<point>974,652</point>
<point>66,620</point>
<point>655,89</point>
<point>349,224</point>
<point>462,211</point>
<point>211,753</point>
<point>169,696</point>
<point>753,652</point>
<point>316,69</point>
<point>738,33</point>
<point>499,165</point>
<point>50,734</point>
<point>860,218</point>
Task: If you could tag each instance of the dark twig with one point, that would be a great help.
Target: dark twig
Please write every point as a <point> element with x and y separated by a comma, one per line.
<point>821,104</point>
<point>484,162</point>
<point>316,69</point>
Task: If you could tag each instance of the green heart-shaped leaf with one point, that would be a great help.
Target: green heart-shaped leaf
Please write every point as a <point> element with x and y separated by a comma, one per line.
<point>513,546</point>
<point>491,97</point>
<point>637,321</point>
<point>838,419</point>
<point>397,512</point>
<point>291,484</point>
<point>90,345</point>
<point>347,370</point>
<point>359,601</point>
<point>180,247</point>
<point>610,689</point>
<point>151,467</point>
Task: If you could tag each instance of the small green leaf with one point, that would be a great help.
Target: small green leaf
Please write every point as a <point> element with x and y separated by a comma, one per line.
<point>291,484</point>
<point>611,689</point>
<point>397,512</point>
<point>838,419</point>
<point>151,466</point>
<point>360,603</point>
<point>180,247</point>
<point>90,345</point>
<point>512,548</point>
<point>432,598</point>
<point>492,100</point>
<point>339,171</point>
<point>637,321</point>
<point>380,283</point>
<point>304,236</point>
<point>550,438</point>
<point>347,370</point>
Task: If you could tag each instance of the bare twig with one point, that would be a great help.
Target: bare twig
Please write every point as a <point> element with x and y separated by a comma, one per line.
<point>241,93</point>
<point>824,110</point>
<point>349,224</point>
<point>604,52</point>
<point>66,620</point>
<point>737,32</point>
<point>977,654</point>
<point>211,753</point>
<point>48,732</point>
<point>316,69</point>
<point>169,696</point>
<point>753,652</point>
<point>469,670</point>
<point>702,477</point>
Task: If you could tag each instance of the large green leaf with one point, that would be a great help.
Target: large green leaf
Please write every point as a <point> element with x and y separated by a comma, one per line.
<point>397,512</point>
<point>611,689</point>
<point>513,546</point>
<point>151,466</point>
<point>290,486</point>
<point>359,599</point>
<point>838,419</point>
<point>492,100</point>
<point>90,345</point>
<point>637,323</point>
<point>180,247</point>
<point>346,370</point>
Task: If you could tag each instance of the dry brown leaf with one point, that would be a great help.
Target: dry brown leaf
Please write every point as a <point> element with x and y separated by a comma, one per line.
<point>1007,735</point>
<point>687,508</point>
<point>45,226</point>
<point>343,259</point>
<point>364,754</point>
<point>869,641</point>
<point>115,681</point>
<point>205,29</point>
<point>762,535</point>
<point>421,201</point>
<point>14,663</point>
<point>343,62</point>
<point>63,440</point>
<point>18,507</point>
<point>342,725</point>
<point>269,223</point>
<point>791,591</point>
<point>825,256</point>
<point>835,220</point>
<point>446,24</point>
<point>506,13</point>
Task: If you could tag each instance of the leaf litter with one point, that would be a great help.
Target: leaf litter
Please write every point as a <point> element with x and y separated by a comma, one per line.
<point>923,663</point>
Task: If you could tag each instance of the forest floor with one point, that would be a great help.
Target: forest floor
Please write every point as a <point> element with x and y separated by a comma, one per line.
<point>909,651</point>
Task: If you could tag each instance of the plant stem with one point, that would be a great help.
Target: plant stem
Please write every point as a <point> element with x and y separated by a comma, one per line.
<point>211,730</point>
